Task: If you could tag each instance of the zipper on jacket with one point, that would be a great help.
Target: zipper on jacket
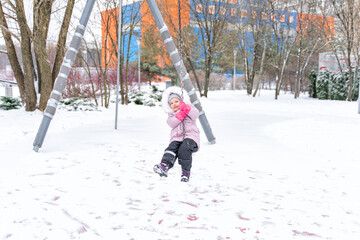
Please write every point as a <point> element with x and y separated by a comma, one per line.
<point>183,123</point>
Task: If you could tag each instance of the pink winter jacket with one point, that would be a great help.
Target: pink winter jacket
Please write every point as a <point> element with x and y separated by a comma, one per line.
<point>191,130</point>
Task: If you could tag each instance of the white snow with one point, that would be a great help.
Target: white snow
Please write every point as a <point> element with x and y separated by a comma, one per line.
<point>285,169</point>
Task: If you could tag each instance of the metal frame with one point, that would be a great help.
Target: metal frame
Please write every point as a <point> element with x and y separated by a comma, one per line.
<point>70,56</point>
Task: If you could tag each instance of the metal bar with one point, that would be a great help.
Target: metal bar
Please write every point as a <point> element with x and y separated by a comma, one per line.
<point>180,68</point>
<point>4,81</point>
<point>60,81</point>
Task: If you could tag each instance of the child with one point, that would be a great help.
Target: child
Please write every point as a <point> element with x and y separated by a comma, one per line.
<point>185,135</point>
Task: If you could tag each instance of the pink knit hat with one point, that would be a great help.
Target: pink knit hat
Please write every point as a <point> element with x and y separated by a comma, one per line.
<point>174,95</point>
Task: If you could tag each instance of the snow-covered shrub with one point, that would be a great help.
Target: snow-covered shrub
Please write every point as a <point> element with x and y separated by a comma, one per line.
<point>8,103</point>
<point>334,86</point>
<point>312,83</point>
<point>138,101</point>
<point>78,104</point>
<point>338,86</point>
<point>154,88</point>
<point>322,84</point>
<point>150,98</point>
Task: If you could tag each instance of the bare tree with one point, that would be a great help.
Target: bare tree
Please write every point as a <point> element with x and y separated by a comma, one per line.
<point>133,15</point>
<point>40,67</point>
<point>151,50</point>
<point>190,42</point>
<point>212,18</point>
<point>346,13</point>
<point>283,40</point>
<point>309,37</point>
<point>108,48</point>
<point>262,64</point>
<point>253,30</point>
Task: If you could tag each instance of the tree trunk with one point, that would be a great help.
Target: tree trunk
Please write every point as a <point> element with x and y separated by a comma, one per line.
<point>246,63</point>
<point>263,55</point>
<point>88,71</point>
<point>207,77</point>
<point>195,75</point>
<point>30,93</point>
<point>60,47</point>
<point>127,69</point>
<point>277,91</point>
<point>349,97</point>
<point>304,65</point>
<point>42,13</point>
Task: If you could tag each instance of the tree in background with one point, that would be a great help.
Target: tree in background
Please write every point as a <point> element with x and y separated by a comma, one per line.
<point>211,21</point>
<point>253,30</point>
<point>150,52</point>
<point>133,16</point>
<point>35,61</point>
<point>109,19</point>
<point>130,22</point>
<point>282,42</point>
<point>190,45</point>
<point>310,38</point>
<point>347,14</point>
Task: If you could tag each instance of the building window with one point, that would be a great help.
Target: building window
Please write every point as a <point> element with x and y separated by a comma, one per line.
<point>232,1</point>
<point>199,8</point>
<point>222,11</point>
<point>211,9</point>
<point>253,14</point>
<point>243,13</point>
<point>273,17</point>
<point>233,12</point>
<point>291,19</point>
<point>264,16</point>
<point>282,18</point>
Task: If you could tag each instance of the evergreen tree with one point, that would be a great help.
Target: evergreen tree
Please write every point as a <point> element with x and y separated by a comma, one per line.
<point>312,86</point>
<point>322,84</point>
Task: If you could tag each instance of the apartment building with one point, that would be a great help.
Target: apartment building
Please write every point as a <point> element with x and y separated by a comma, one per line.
<point>284,14</point>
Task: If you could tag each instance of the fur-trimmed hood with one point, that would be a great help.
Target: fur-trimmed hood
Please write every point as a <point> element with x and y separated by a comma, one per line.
<point>165,97</point>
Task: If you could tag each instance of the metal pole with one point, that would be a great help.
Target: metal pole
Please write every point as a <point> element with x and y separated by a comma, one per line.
<point>139,47</point>
<point>118,65</point>
<point>180,68</point>
<point>234,69</point>
<point>60,81</point>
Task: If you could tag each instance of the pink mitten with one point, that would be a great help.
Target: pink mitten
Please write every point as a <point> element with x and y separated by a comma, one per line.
<point>180,115</point>
<point>184,107</point>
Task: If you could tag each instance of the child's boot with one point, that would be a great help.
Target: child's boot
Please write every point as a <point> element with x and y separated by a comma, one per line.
<point>185,176</point>
<point>161,169</point>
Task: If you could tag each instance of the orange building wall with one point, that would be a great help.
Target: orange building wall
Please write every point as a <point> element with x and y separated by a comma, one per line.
<point>109,20</point>
<point>327,26</point>
<point>169,12</point>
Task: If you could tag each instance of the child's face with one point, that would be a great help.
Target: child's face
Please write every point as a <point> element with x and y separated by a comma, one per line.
<point>174,104</point>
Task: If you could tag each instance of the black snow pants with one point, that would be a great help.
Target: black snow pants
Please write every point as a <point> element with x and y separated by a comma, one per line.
<point>181,150</point>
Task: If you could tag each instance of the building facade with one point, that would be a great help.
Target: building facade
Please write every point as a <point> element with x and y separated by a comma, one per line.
<point>237,12</point>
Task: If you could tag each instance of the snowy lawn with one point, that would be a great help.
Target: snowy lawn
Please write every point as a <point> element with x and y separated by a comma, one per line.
<point>286,169</point>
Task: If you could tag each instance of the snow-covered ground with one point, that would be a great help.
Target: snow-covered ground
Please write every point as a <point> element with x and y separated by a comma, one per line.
<point>285,169</point>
